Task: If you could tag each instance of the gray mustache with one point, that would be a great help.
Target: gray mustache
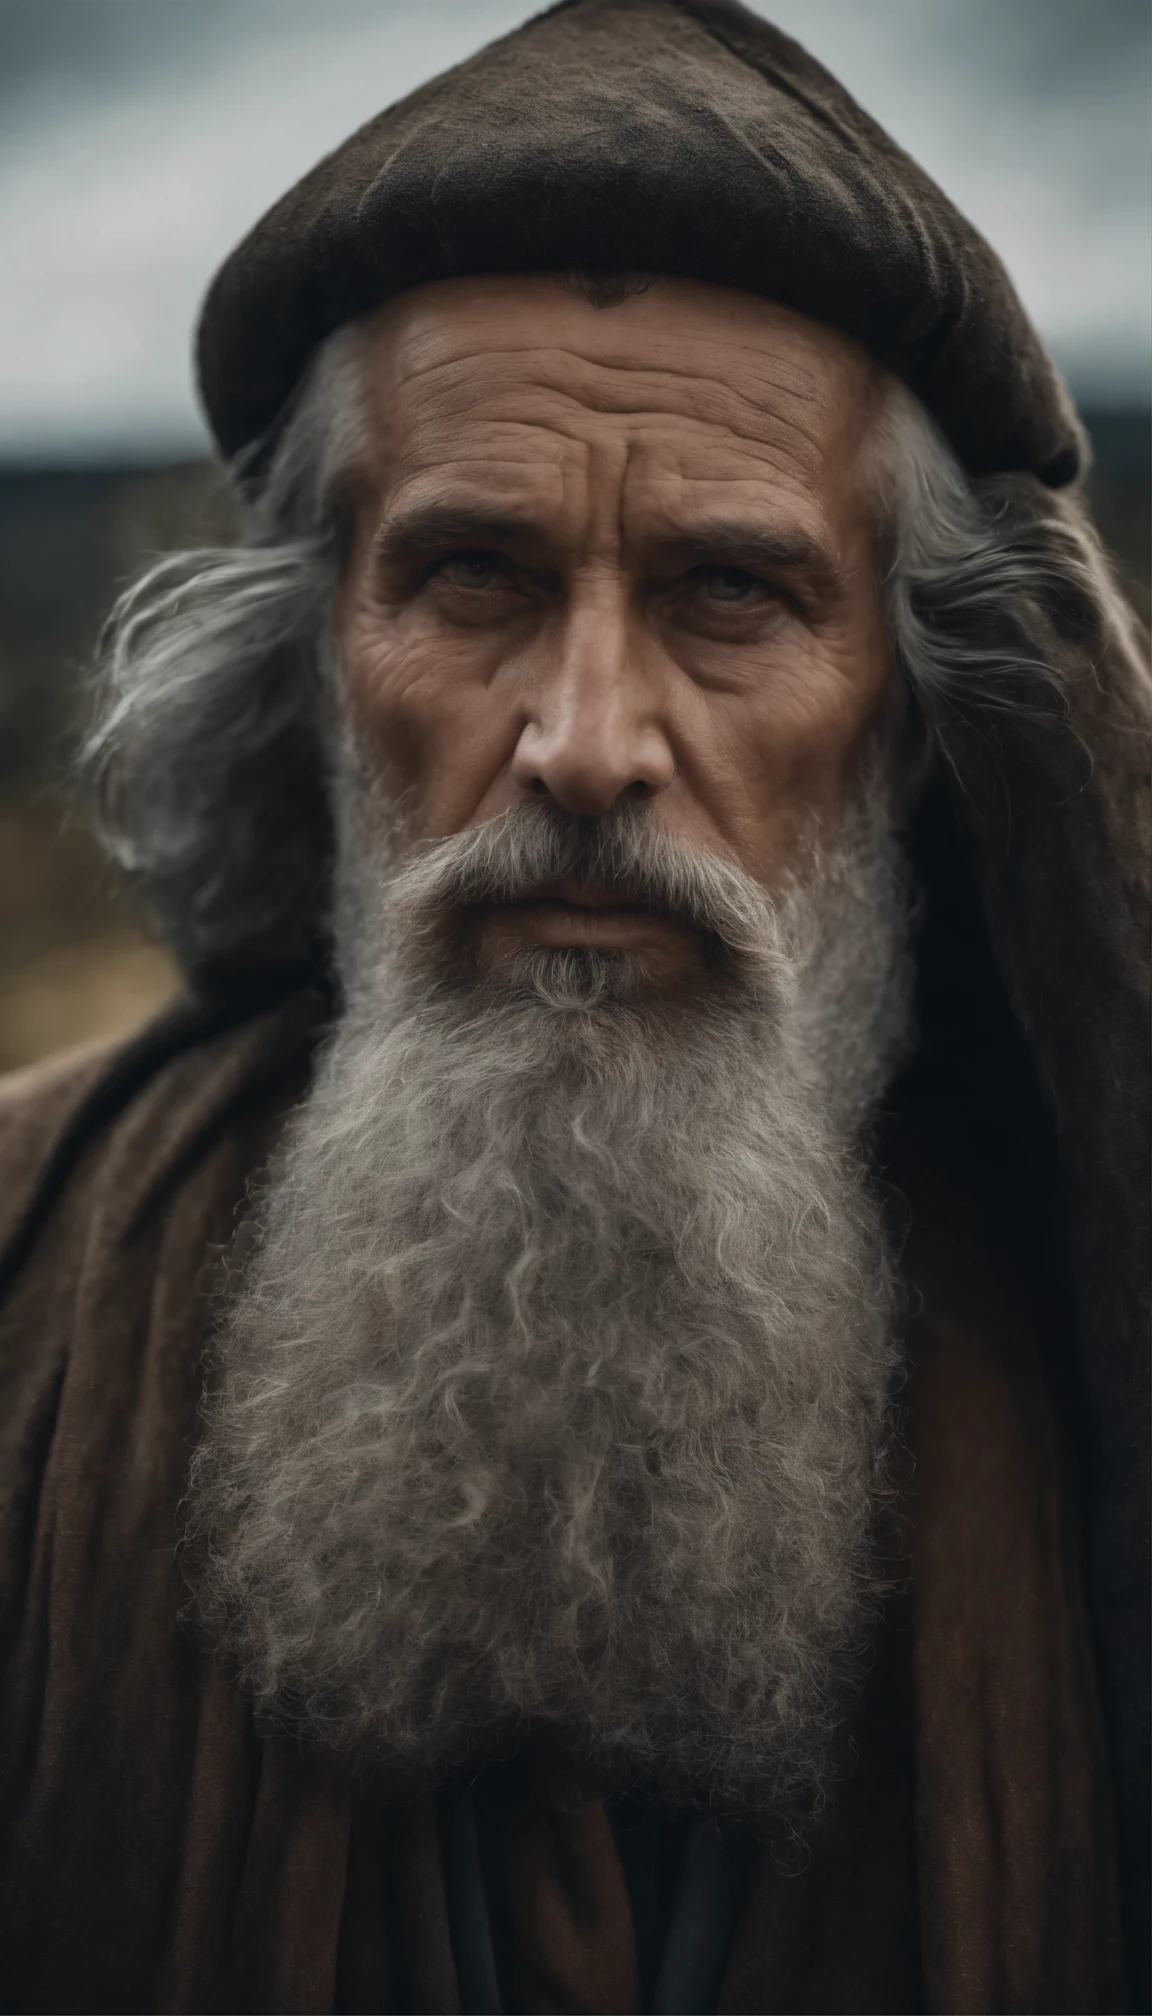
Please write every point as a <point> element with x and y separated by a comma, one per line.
<point>626,852</point>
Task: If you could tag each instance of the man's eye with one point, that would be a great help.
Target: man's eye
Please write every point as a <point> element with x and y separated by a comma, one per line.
<point>729,584</point>
<point>471,570</point>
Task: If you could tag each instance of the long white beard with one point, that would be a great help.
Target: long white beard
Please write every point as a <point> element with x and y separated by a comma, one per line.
<point>555,1395</point>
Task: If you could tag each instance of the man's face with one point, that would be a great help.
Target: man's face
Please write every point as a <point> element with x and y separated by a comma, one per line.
<point>615,554</point>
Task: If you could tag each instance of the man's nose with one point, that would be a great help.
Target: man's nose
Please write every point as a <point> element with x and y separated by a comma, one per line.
<point>593,732</point>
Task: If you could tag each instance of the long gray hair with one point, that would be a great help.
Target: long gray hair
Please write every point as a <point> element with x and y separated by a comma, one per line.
<point>206,754</point>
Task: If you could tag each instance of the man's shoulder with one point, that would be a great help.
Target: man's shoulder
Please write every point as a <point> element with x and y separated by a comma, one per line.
<point>53,1081</point>
<point>38,1107</point>
<point>38,1100</point>
<point>142,1101</point>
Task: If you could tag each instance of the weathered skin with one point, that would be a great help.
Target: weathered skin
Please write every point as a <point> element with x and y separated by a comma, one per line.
<point>606,551</point>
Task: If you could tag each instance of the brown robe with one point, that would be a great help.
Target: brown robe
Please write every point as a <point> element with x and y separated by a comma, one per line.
<point>159,1853</point>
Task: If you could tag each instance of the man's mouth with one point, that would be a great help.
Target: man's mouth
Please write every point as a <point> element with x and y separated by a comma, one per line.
<point>570,915</point>
<point>583,899</point>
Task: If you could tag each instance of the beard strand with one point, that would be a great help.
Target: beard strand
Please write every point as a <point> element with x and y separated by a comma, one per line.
<point>555,1396</point>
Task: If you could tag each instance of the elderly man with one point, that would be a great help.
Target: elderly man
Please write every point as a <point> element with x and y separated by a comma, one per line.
<point>572,1413</point>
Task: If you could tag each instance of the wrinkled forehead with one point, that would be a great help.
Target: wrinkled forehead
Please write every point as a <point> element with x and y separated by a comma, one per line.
<point>508,379</point>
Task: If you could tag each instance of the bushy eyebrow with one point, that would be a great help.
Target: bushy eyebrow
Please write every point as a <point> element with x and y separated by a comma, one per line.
<point>716,542</point>
<point>720,541</point>
<point>426,528</point>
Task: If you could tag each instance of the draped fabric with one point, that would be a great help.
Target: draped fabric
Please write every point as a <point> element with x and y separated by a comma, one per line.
<point>160,1853</point>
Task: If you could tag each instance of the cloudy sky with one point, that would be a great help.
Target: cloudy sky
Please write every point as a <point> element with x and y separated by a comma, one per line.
<point>140,138</point>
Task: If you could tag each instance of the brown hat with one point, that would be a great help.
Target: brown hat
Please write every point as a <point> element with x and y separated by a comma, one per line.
<point>675,136</point>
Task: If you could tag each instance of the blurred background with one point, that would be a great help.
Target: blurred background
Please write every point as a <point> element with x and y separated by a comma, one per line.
<point>140,138</point>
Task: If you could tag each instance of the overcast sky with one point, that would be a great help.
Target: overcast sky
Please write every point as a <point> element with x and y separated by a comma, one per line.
<point>140,138</point>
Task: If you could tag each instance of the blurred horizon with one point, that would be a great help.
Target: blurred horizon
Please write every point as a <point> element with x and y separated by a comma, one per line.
<point>141,139</point>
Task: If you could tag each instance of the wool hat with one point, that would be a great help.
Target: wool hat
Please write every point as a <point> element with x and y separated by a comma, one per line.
<point>687,137</point>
